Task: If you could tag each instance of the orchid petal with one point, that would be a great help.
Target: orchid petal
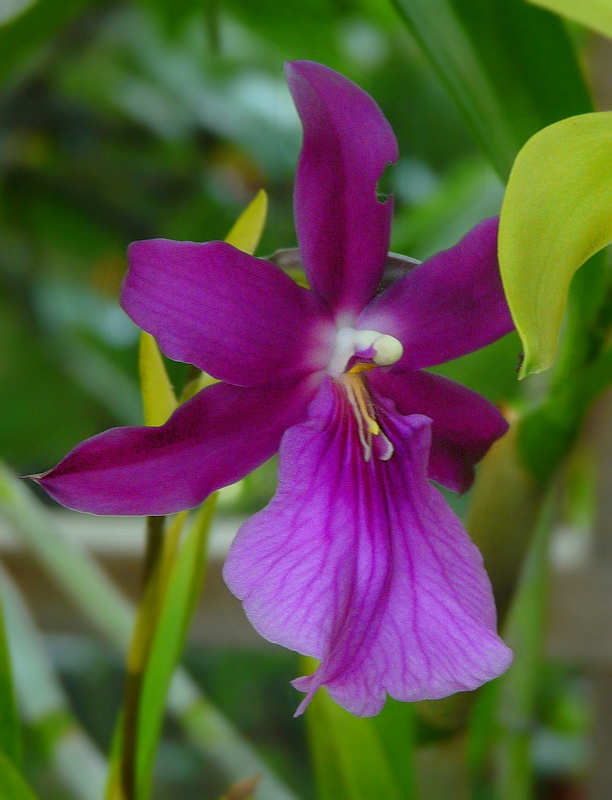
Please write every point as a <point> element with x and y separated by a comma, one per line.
<point>343,229</point>
<point>464,423</point>
<point>239,318</point>
<point>214,439</point>
<point>364,566</point>
<point>448,306</point>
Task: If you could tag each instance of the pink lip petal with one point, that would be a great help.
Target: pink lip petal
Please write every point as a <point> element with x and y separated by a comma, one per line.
<point>364,566</point>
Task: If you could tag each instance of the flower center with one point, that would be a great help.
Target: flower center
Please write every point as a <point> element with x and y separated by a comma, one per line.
<point>352,346</point>
<point>371,436</point>
<point>357,352</point>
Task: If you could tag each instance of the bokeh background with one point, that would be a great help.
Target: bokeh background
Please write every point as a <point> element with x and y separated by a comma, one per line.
<point>128,120</point>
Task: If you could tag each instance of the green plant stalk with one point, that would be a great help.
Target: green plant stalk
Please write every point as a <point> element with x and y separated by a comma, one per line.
<point>139,651</point>
<point>79,764</point>
<point>109,611</point>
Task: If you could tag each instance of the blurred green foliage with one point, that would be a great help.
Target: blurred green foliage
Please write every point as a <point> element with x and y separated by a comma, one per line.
<point>128,119</point>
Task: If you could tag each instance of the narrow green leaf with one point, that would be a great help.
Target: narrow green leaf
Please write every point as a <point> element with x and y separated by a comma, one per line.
<point>158,398</point>
<point>247,229</point>
<point>509,66</point>
<point>12,785</point>
<point>10,730</point>
<point>184,587</point>
<point>595,14</point>
<point>349,759</point>
<point>555,215</point>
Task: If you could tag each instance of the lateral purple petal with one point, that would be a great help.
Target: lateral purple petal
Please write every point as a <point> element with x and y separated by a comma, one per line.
<point>364,566</point>
<point>216,438</point>
<point>464,424</point>
<point>239,318</point>
<point>342,228</point>
<point>448,306</point>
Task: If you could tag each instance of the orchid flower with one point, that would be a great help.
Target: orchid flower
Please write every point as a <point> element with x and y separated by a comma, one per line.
<point>358,560</point>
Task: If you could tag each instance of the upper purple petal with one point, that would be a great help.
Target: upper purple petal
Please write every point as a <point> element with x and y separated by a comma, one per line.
<point>237,317</point>
<point>448,306</point>
<point>343,229</point>
<point>364,566</point>
<point>464,424</point>
<point>216,438</point>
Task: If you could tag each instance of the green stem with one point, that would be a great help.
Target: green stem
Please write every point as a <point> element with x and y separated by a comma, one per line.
<point>156,527</point>
<point>140,648</point>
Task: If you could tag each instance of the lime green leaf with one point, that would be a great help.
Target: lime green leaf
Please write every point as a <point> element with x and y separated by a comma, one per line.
<point>509,66</point>
<point>596,14</point>
<point>247,230</point>
<point>12,785</point>
<point>158,398</point>
<point>349,759</point>
<point>10,731</point>
<point>555,215</point>
<point>184,587</point>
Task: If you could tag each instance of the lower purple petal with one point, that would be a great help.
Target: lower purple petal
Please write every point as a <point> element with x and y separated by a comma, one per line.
<point>364,566</point>
<point>214,439</point>
<point>464,424</point>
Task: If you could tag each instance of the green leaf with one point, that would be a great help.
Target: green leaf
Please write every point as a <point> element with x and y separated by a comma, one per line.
<point>247,230</point>
<point>555,215</point>
<point>158,398</point>
<point>10,730</point>
<point>350,760</point>
<point>596,14</point>
<point>184,587</point>
<point>510,67</point>
<point>12,785</point>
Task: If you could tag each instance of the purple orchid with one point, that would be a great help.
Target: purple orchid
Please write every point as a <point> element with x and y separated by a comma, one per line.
<point>357,561</point>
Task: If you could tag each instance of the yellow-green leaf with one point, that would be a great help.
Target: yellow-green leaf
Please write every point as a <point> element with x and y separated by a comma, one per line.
<point>595,14</point>
<point>556,214</point>
<point>247,230</point>
<point>158,396</point>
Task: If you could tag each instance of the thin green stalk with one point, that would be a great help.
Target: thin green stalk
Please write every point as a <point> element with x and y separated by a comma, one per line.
<point>156,527</point>
<point>108,610</point>
<point>139,650</point>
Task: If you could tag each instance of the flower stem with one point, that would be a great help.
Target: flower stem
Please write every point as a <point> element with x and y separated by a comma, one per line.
<point>138,653</point>
<point>154,548</point>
